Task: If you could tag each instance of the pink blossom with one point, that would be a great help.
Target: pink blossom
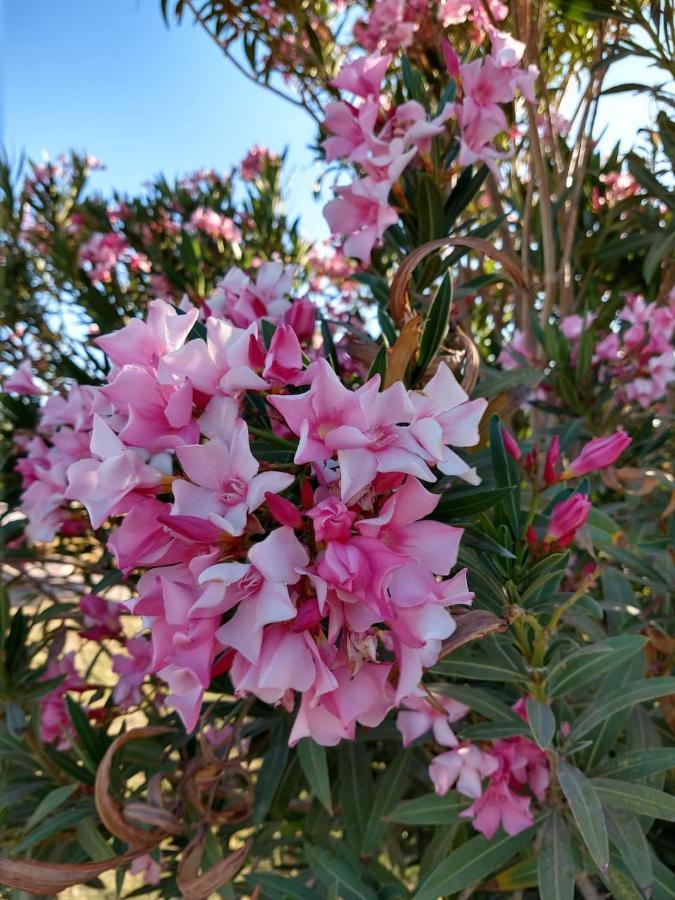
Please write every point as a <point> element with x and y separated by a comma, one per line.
<point>598,453</point>
<point>466,765</point>
<point>143,343</point>
<point>21,381</point>
<point>362,213</point>
<point>132,667</point>
<point>147,867</point>
<point>243,301</point>
<point>422,713</point>
<point>332,520</point>
<point>499,805</point>
<point>214,225</point>
<point>100,255</point>
<point>301,316</point>
<point>363,76</point>
<point>103,481</point>
<point>259,590</point>
<point>224,486</point>
<point>56,726</point>
<point>101,618</point>
<point>255,161</point>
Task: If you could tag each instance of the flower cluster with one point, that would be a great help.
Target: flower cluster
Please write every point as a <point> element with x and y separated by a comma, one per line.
<point>382,139</point>
<point>101,254</point>
<point>511,765</point>
<point>639,358</point>
<point>62,438</point>
<point>339,591</point>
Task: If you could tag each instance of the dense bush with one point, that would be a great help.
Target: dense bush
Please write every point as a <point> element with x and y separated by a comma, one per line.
<point>345,570</point>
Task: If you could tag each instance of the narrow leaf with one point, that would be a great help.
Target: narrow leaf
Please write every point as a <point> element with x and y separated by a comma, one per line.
<point>587,812</point>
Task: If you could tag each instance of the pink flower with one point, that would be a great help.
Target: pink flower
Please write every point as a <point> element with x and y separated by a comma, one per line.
<point>56,726</point>
<point>100,617</point>
<point>259,590</point>
<point>132,667</point>
<point>598,453</point>
<point>103,481</point>
<point>21,381</point>
<point>243,301</point>
<point>148,868</point>
<point>332,520</point>
<point>224,486</point>
<point>142,343</point>
<point>433,545</point>
<point>423,713</point>
<point>362,213</point>
<point>214,225</point>
<point>283,361</point>
<point>255,161</point>
<point>445,415</point>
<point>364,75</point>
<point>359,427</point>
<point>567,518</point>
<point>301,316</point>
<point>499,805</point>
<point>573,326</point>
<point>465,766</point>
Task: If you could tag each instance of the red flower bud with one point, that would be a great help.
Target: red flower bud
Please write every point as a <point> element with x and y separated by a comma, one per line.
<point>283,511</point>
<point>552,457</point>
<point>566,519</point>
<point>511,445</point>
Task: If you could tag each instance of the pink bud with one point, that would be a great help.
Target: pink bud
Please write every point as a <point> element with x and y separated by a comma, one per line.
<point>302,318</point>
<point>451,60</point>
<point>598,453</point>
<point>567,517</point>
<point>552,457</point>
<point>332,520</point>
<point>283,510</point>
<point>511,445</point>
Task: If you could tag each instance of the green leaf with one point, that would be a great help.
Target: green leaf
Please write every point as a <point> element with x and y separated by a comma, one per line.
<point>585,665</point>
<point>477,670</point>
<point>490,731</point>
<point>463,503</point>
<point>587,811</point>
<point>662,247</point>
<point>505,476</point>
<point>664,880</point>
<point>605,706</point>
<point>276,887</point>
<point>482,701</point>
<point>435,327</point>
<point>93,742</point>
<point>473,861</point>
<point>333,871</point>
<point>388,792</point>
<point>605,735</point>
<point>329,344</point>
<point>584,355</point>
<point>91,840</point>
<point>626,834</point>
<point>637,798</point>
<point>48,804</point>
<point>429,809</point>
<point>379,365</point>
<point>315,767</point>
<point>556,867</point>
<point>541,721</point>
<point>429,208</point>
<point>271,772</point>
<point>638,763</point>
<point>620,885</point>
<point>356,791</point>
<point>67,818</point>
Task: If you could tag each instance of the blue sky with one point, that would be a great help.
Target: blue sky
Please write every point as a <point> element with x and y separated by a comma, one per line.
<point>108,77</point>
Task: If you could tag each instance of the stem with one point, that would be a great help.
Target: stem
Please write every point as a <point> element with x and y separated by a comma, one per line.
<point>588,582</point>
<point>545,214</point>
<point>271,438</point>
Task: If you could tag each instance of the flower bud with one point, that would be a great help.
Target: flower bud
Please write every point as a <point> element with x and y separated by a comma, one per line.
<point>566,519</point>
<point>511,445</point>
<point>302,318</point>
<point>598,453</point>
<point>552,457</point>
